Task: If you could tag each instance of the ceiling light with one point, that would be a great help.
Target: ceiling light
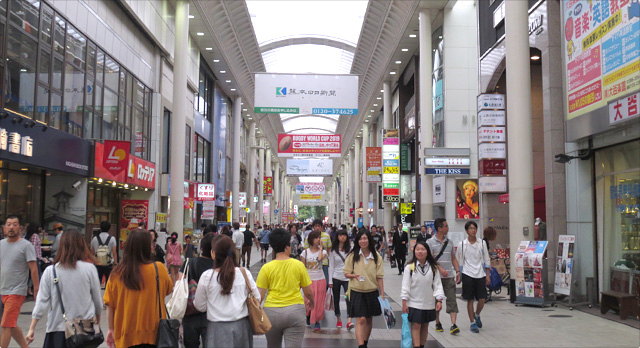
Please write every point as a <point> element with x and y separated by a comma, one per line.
<point>440,37</point>
<point>244,109</point>
<point>369,116</point>
<point>200,34</point>
<point>227,81</point>
<point>223,71</point>
<point>535,57</point>
<point>209,49</point>
<point>405,50</point>
<point>192,16</point>
<point>382,91</point>
<point>372,111</point>
<point>99,180</point>
<point>365,121</point>
<point>233,89</point>
<point>413,35</point>
<point>126,185</point>
<point>25,168</point>
<point>375,104</point>
<point>216,60</point>
<point>379,98</point>
<point>398,62</point>
<point>392,73</point>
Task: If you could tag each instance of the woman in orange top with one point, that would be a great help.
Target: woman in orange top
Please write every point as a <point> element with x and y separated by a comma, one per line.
<point>131,297</point>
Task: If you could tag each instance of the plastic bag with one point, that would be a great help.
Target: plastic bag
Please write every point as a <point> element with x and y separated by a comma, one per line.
<point>406,341</point>
<point>387,313</point>
<point>328,301</point>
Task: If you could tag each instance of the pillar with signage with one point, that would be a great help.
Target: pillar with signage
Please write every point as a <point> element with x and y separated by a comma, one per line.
<point>390,166</point>
<point>492,147</point>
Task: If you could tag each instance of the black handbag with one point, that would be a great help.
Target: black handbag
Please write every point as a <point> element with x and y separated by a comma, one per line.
<point>168,329</point>
<point>79,333</point>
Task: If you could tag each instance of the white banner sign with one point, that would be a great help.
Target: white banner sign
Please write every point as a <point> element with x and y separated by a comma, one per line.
<point>492,184</point>
<point>306,94</point>
<point>309,167</point>
<point>491,134</point>
<point>439,189</point>
<point>242,199</point>
<point>491,102</point>
<point>447,161</point>
<point>310,188</point>
<point>492,150</point>
<point>624,109</point>
<point>491,118</point>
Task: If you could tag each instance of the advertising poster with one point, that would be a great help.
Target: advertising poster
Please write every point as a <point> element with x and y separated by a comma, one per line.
<point>115,156</point>
<point>467,199</point>
<point>268,185</point>
<point>529,268</point>
<point>601,52</point>
<point>374,164</point>
<point>322,145</point>
<point>134,214</point>
<point>564,264</point>
<point>310,188</point>
<point>309,167</point>
<point>390,166</point>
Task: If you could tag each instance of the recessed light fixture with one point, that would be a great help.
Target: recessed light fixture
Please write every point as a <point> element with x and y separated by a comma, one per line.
<point>375,104</point>
<point>192,16</point>
<point>209,49</point>
<point>369,116</point>
<point>413,35</point>
<point>244,109</point>
<point>382,91</point>
<point>200,34</point>
<point>405,50</point>
<point>25,168</point>
<point>392,72</point>
<point>233,89</point>
<point>216,60</point>
<point>227,81</point>
<point>126,185</point>
<point>535,57</point>
<point>440,37</point>
<point>398,62</point>
<point>23,70</point>
<point>379,98</point>
<point>223,71</point>
<point>372,111</point>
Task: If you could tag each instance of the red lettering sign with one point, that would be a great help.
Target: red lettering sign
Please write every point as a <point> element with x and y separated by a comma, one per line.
<point>115,156</point>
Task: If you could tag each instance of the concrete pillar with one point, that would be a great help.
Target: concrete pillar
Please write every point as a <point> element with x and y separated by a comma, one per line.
<point>352,186</point>
<point>357,180</point>
<point>519,125</point>
<point>178,126</point>
<point>365,184</point>
<point>261,175</point>
<point>269,172</point>
<point>425,107</point>
<point>235,185</point>
<point>388,124</point>
<point>251,163</point>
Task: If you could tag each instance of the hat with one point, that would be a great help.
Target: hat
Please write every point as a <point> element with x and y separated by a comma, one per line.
<point>57,225</point>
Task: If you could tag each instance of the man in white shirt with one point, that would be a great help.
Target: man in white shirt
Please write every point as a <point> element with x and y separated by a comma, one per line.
<point>104,263</point>
<point>475,268</point>
<point>238,240</point>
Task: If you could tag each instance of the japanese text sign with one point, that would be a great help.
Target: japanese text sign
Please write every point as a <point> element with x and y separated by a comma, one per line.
<point>391,165</point>
<point>323,145</point>
<point>206,192</point>
<point>115,156</point>
<point>374,164</point>
<point>268,185</point>
<point>624,109</point>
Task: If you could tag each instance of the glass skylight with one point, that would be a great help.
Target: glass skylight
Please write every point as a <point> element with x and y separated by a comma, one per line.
<point>316,123</point>
<point>310,179</point>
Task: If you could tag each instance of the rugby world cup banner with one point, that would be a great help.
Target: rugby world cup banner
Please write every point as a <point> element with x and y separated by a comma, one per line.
<point>322,145</point>
<point>310,188</point>
<point>306,94</point>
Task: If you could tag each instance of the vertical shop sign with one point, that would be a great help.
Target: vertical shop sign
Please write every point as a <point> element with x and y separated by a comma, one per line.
<point>115,156</point>
<point>374,164</point>
<point>390,166</point>
<point>134,214</point>
<point>405,157</point>
<point>242,199</point>
<point>564,264</point>
<point>268,185</point>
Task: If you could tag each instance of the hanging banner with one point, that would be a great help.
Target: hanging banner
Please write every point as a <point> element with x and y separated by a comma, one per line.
<point>310,188</point>
<point>206,192</point>
<point>439,189</point>
<point>391,166</point>
<point>242,199</point>
<point>161,218</point>
<point>322,145</point>
<point>306,94</point>
<point>602,52</point>
<point>564,264</point>
<point>134,214</point>
<point>374,164</point>
<point>288,217</point>
<point>115,156</point>
<point>208,210</point>
<point>310,197</point>
<point>267,185</point>
<point>309,167</point>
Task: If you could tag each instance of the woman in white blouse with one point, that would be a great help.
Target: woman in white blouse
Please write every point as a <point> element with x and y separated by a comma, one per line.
<point>339,251</point>
<point>421,292</point>
<point>222,293</point>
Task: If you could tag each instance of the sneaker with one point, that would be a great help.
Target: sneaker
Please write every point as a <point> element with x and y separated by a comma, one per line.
<point>478,321</point>
<point>316,328</point>
<point>474,328</point>
<point>350,326</point>
<point>439,327</point>
<point>339,325</point>
<point>454,329</point>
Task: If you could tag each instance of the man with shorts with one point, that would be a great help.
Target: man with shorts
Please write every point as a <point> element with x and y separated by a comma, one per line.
<point>475,269</point>
<point>17,260</point>
<point>264,242</point>
<point>442,250</point>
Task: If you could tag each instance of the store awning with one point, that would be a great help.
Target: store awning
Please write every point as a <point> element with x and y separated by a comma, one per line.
<point>538,195</point>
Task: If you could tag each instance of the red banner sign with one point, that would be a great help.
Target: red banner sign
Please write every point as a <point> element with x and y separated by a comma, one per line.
<point>322,145</point>
<point>206,192</point>
<point>391,192</point>
<point>134,214</point>
<point>268,185</point>
<point>115,156</point>
<point>492,167</point>
<point>141,173</point>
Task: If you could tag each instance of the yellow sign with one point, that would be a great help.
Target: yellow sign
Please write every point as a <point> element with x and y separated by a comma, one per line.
<point>602,30</point>
<point>161,217</point>
<point>406,208</point>
<point>308,197</point>
<point>391,170</point>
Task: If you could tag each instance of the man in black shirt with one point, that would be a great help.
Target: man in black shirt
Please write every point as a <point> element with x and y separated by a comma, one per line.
<point>249,238</point>
<point>400,241</point>
<point>423,236</point>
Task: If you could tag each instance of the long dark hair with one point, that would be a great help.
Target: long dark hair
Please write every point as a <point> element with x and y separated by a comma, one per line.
<point>430,259</point>
<point>73,248</point>
<point>31,230</point>
<point>356,246</point>
<point>137,252</point>
<point>336,242</point>
<point>225,259</point>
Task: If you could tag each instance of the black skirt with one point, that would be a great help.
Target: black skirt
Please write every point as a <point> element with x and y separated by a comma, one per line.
<point>421,316</point>
<point>364,304</point>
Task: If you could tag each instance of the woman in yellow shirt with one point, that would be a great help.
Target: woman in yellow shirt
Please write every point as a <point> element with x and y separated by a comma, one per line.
<point>131,296</point>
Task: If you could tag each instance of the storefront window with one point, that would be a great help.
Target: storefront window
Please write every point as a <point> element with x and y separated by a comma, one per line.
<point>47,20</point>
<point>45,62</point>
<point>59,34</point>
<point>201,159</point>
<point>110,114</point>
<point>26,14</point>
<point>618,202</point>
<point>73,99</point>
<point>20,194</point>
<point>42,109</point>
<point>21,66</point>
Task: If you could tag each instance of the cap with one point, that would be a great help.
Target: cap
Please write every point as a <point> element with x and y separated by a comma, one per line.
<point>57,225</point>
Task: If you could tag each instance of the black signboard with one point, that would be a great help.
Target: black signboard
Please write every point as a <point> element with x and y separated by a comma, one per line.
<point>22,140</point>
<point>447,171</point>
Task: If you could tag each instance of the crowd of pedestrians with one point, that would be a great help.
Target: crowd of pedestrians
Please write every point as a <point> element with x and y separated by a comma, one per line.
<point>307,268</point>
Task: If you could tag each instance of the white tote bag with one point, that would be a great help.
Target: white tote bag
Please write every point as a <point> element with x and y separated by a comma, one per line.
<point>178,303</point>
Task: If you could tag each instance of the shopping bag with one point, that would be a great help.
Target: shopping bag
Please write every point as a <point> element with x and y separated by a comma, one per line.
<point>177,305</point>
<point>393,263</point>
<point>328,301</point>
<point>406,341</point>
<point>387,313</point>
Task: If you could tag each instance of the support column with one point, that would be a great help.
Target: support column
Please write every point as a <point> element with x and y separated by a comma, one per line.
<point>352,186</point>
<point>269,172</point>
<point>235,185</point>
<point>388,124</point>
<point>365,185</point>
<point>251,162</point>
<point>426,107</point>
<point>178,126</point>
<point>357,181</point>
<point>343,183</point>
<point>519,124</point>
<point>260,207</point>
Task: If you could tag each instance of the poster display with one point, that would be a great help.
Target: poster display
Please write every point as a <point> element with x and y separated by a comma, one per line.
<point>306,94</point>
<point>439,189</point>
<point>601,52</point>
<point>321,145</point>
<point>134,214</point>
<point>288,217</point>
<point>530,268</point>
<point>467,199</point>
<point>242,199</point>
<point>564,265</point>
<point>267,185</point>
<point>309,167</point>
<point>208,210</point>
<point>374,164</point>
<point>390,166</point>
<point>310,188</point>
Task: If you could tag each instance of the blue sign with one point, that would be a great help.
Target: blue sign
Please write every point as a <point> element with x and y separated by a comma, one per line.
<point>447,171</point>
<point>391,163</point>
<point>334,111</point>
<point>276,211</point>
<point>360,222</point>
<point>621,48</point>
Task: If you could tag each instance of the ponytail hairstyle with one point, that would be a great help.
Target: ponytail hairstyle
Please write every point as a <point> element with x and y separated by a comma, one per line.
<point>225,260</point>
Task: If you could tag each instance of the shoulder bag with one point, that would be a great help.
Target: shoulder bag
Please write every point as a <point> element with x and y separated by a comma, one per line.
<point>168,329</point>
<point>178,303</point>
<point>85,333</point>
<point>260,323</point>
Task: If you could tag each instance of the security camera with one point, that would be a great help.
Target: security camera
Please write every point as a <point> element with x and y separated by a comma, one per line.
<point>76,184</point>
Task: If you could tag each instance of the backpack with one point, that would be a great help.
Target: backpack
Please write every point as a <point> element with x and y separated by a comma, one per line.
<point>103,254</point>
<point>496,281</point>
<point>412,268</point>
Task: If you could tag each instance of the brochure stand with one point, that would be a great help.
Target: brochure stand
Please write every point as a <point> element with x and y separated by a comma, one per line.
<point>564,282</point>
<point>531,274</point>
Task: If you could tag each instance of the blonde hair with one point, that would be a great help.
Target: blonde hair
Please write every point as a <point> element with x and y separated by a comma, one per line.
<point>472,183</point>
